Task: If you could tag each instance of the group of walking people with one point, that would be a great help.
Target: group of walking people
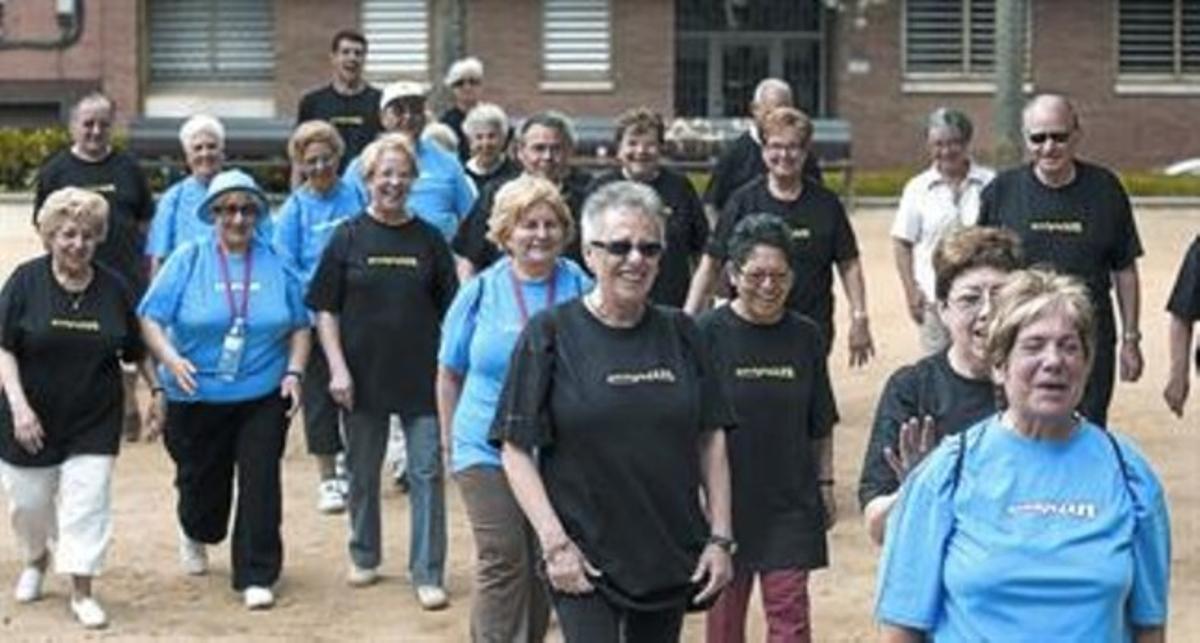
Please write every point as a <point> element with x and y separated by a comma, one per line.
<point>626,452</point>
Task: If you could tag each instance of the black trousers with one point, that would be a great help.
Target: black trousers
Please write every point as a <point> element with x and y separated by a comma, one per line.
<point>591,618</point>
<point>1098,393</point>
<point>321,432</point>
<point>209,442</point>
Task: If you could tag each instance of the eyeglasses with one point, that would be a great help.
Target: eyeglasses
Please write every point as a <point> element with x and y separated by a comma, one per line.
<point>320,162</point>
<point>622,248</point>
<point>231,209</point>
<point>972,301</point>
<point>1037,138</point>
<point>467,81</point>
<point>758,278</point>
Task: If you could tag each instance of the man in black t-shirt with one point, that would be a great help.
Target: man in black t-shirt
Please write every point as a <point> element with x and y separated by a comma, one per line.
<point>544,144</point>
<point>91,163</point>
<point>1076,217</point>
<point>348,102</point>
<point>1184,310</point>
<point>742,161</point>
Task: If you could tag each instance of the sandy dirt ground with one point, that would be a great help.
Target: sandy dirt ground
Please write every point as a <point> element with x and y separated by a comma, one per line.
<point>149,598</point>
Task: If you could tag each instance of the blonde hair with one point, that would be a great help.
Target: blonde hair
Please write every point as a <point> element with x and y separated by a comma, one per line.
<point>391,142</point>
<point>315,131</point>
<point>1030,295</point>
<point>516,198</point>
<point>781,119</point>
<point>73,205</point>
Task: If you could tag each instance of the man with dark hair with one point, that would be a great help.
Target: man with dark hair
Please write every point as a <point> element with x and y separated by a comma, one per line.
<point>1076,217</point>
<point>348,102</point>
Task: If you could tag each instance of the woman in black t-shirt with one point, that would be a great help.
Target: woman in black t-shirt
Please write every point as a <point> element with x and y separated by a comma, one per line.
<point>67,324</point>
<point>943,393</point>
<point>781,457</point>
<point>380,290</point>
<point>618,397</point>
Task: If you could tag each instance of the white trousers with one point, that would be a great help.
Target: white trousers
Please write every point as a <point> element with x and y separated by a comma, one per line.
<point>65,507</point>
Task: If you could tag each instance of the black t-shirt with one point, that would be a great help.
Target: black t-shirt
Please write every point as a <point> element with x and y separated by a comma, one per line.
<point>390,287</point>
<point>740,164</point>
<point>929,387</point>
<point>471,243</point>
<point>356,116</point>
<point>616,415</point>
<point>821,237</point>
<point>687,232</point>
<point>776,376</point>
<point>1085,228</point>
<point>507,169</point>
<point>130,206</point>
<point>1185,296</point>
<point>454,117</point>
<point>68,347</point>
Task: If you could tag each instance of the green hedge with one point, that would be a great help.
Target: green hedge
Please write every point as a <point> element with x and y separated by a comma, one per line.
<point>22,152</point>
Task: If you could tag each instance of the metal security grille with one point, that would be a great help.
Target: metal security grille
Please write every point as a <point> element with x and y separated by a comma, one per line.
<point>576,40</point>
<point>211,40</point>
<point>398,35</point>
<point>949,36</point>
<point>1159,37</point>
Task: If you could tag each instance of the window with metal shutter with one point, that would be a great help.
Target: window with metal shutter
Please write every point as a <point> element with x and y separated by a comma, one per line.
<point>397,34</point>
<point>1159,37</point>
<point>576,40</point>
<point>211,40</point>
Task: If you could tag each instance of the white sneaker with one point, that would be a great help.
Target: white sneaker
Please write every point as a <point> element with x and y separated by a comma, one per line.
<point>193,555</point>
<point>258,598</point>
<point>432,597</point>
<point>362,577</point>
<point>88,612</point>
<point>330,499</point>
<point>29,585</point>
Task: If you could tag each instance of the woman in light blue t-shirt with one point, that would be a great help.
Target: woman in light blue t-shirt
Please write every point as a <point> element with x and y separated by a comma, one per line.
<point>1035,524</point>
<point>531,224</point>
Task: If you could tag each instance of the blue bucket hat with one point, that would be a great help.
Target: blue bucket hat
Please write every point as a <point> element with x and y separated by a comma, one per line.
<point>236,181</point>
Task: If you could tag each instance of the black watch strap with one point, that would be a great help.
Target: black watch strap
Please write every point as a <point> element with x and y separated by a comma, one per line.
<point>724,542</point>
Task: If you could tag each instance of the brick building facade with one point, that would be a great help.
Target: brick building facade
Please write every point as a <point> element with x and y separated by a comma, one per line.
<point>597,57</point>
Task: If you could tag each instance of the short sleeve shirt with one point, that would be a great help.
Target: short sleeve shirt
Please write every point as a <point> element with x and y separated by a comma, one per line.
<point>177,218</point>
<point>821,238</point>
<point>687,233</point>
<point>931,388</point>
<point>478,336</point>
<point>307,220</point>
<point>930,208</point>
<point>1070,535</point>
<point>1085,228</point>
<point>196,300</point>
<point>68,347</point>
<point>1185,296</point>
<point>615,415</point>
<point>356,116</point>
<point>784,403</point>
<point>130,205</point>
<point>389,286</point>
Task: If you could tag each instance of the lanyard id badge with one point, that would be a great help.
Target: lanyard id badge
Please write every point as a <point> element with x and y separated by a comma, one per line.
<point>233,346</point>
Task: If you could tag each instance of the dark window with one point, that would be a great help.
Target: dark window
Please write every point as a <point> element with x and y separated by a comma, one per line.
<point>1159,37</point>
<point>949,37</point>
<point>211,40</point>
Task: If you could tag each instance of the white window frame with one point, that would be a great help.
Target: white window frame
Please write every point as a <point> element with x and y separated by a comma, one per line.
<point>577,45</point>
<point>1177,82</point>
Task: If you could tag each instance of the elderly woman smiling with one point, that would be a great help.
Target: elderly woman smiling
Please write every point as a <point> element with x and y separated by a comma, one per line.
<point>176,218</point>
<point>620,401</point>
<point>1034,524</point>
<point>486,128</point>
<point>532,224</point>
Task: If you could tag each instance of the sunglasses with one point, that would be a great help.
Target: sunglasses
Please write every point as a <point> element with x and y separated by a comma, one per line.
<point>1037,138</point>
<point>648,249</point>
<point>467,81</point>
<point>229,210</point>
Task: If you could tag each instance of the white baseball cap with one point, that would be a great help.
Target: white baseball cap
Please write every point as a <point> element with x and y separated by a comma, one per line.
<point>402,89</point>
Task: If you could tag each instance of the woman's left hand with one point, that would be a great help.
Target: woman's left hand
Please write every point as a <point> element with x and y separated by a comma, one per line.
<point>717,565</point>
<point>289,389</point>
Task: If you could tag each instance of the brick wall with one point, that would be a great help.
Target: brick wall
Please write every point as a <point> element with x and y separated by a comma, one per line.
<point>506,35</point>
<point>1073,51</point>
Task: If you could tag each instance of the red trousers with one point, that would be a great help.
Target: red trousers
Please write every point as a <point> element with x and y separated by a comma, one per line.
<point>785,601</point>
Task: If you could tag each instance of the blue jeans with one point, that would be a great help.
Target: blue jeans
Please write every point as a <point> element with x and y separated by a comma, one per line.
<point>366,444</point>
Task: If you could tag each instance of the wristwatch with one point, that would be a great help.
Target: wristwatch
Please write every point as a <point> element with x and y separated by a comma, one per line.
<point>726,543</point>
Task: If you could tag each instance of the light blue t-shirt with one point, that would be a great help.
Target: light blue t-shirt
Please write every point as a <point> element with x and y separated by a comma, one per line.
<point>478,336</point>
<point>1041,541</point>
<point>188,299</point>
<point>306,221</point>
<point>175,218</point>
<point>442,195</point>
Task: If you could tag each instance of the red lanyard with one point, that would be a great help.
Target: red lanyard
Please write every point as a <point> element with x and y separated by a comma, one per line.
<point>519,295</point>
<point>233,312</point>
